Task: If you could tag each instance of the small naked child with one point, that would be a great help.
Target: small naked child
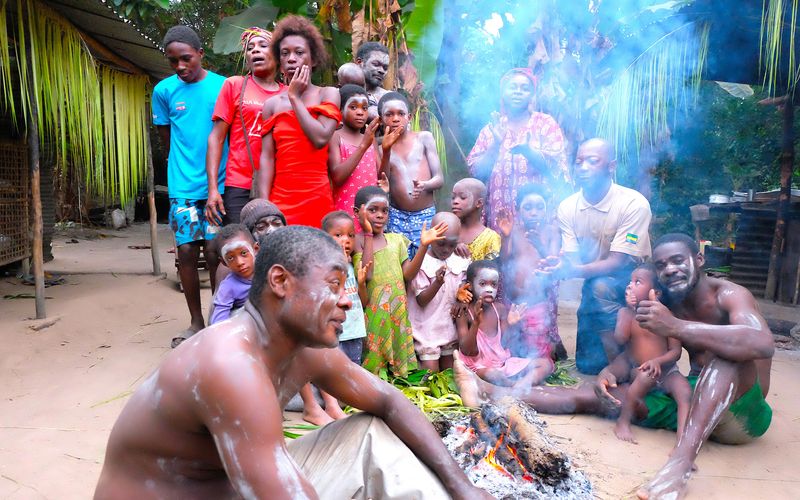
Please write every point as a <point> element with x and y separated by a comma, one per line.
<point>653,356</point>
<point>411,163</point>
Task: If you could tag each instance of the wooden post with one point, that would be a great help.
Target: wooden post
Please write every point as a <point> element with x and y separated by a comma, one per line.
<point>151,205</point>
<point>784,202</point>
<point>38,229</point>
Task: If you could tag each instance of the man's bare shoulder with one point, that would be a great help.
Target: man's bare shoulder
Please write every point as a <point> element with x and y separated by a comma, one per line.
<point>730,294</point>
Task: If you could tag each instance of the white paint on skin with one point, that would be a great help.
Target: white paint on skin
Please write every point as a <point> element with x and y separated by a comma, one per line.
<point>375,200</point>
<point>358,99</point>
<point>289,473</point>
<point>395,105</point>
<point>489,277</point>
<point>235,245</point>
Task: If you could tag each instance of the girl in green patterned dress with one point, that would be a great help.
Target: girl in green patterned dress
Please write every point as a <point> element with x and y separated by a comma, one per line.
<point>389,343</point>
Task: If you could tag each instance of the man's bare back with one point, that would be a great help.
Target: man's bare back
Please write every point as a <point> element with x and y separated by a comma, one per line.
<point>208,422</point>
<point>178,454</point>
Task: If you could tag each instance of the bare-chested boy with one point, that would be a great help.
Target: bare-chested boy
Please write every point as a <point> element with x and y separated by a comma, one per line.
<point>652,356</point>
<point>475,241</point>
<point>208,424</point>
<point>730,350</point>
<point>411,162</point>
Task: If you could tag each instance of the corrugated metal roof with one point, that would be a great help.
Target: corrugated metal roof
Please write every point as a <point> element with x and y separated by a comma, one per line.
<point>97,19</point>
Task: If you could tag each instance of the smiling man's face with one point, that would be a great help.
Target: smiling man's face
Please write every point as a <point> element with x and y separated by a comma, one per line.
<point>678,270</point>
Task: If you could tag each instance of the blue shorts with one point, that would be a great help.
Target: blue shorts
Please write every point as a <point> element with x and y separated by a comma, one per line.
<point>188,221</point>
<point>409,224</point>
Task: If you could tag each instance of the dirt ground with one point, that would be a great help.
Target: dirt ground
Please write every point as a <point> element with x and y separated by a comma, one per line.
<point>63,386</point>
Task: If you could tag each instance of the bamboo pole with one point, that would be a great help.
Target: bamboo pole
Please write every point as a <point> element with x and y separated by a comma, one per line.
<point>771,291</point>
<point>151,205</point>
<point>36,194</point>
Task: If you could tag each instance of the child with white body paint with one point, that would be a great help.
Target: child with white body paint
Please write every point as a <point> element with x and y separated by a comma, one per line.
<point>431,296</point>
<point>411,163</point>
<point>238,253</point>
<point>486,328</point>
<point>389,344</point>
<point>352,155</point>
<point>653,357</point>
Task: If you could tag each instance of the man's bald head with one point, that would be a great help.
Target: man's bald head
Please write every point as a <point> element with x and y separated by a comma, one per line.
<point>296,249</point>
<point>595,163</point>
<point>350,73</point>
<point>600,145</point>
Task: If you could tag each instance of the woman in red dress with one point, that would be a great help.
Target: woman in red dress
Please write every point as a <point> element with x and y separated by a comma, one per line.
<point>298,124</point>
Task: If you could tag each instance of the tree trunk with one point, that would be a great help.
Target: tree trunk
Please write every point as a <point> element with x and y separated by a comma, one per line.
<point>784,203</point>
<point>33,158</point>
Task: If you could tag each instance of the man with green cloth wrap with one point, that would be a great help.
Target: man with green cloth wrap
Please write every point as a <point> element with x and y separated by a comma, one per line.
<point>730,349</point>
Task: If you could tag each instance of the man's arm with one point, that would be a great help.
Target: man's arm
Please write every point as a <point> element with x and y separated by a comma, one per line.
<point>348,382</point>
<point>164,136</point>
<point>237,403</point>
<point>215,207</point>
<point>569,266</point>
<point>746,338</point>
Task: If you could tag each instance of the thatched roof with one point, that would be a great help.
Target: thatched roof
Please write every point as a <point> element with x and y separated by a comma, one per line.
<point>120,36</point>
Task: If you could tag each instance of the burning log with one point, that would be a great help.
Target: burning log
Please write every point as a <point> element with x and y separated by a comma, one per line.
<point>505,449</point>
<point>538,455</point>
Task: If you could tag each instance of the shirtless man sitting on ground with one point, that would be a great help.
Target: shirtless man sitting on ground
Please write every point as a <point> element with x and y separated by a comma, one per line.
<point>730,348</point>
<point>208,422</point>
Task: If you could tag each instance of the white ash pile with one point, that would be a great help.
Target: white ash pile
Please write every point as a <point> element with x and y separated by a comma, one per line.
<point>505,449</point>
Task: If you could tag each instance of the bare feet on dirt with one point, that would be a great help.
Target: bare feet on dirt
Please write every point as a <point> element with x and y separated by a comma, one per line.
<point>466,382</point>
<point>623,432</point>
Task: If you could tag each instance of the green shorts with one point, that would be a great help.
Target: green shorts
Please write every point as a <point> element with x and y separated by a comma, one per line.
<point>746,419</point>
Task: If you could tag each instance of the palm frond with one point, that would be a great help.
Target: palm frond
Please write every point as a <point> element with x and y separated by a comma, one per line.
<point>95,116</point>
<point>636,112</point>
<point>776,17</point>
<point>424,119</point>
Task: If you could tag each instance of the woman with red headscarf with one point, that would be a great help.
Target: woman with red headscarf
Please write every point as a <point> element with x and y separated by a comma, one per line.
<point>237,116</point>
<point>520,146</point>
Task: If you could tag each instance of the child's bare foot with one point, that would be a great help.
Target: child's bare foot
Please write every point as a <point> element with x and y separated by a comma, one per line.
<point>670,482</point>
<point>466,382</point>
<point>623,431</point>
<point>335,411</point>
<point>316,416</point>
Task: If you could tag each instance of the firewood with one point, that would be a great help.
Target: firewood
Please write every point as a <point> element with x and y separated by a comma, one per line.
<point>546,463</point>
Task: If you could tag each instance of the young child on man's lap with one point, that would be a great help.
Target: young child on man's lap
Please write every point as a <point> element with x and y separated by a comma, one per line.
<point>237,253</point>
<point>432,295</point>
<point>653,356</point>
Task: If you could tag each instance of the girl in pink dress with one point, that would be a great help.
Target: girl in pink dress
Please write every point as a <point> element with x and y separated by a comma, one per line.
<point>352,158</point>
<point>481,331</point>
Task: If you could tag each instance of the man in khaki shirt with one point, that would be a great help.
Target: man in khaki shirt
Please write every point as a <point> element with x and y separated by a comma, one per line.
<point>604,231</point>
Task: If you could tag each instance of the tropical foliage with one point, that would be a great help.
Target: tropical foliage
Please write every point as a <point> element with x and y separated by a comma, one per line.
<point>94,115</point>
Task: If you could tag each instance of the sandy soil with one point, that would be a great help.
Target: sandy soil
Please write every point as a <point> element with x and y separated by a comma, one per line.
<point>64,386</point>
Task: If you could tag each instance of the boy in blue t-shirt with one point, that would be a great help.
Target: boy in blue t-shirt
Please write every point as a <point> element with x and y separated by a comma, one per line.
<point>182,108</point>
